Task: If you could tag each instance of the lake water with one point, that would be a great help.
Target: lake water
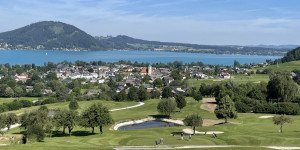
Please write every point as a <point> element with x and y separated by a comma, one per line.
<point>38,57</point>
<point>147,125</point>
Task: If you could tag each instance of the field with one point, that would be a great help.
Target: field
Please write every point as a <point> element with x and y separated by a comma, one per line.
<point>240,78</point>
<point>8,100</point>
<point>248,130</point>
<point>289,66</point>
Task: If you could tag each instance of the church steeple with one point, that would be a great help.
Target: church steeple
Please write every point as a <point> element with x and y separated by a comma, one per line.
<point>149,70</point>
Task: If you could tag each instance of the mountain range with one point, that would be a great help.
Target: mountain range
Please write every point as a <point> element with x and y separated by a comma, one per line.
<point>50,35</point>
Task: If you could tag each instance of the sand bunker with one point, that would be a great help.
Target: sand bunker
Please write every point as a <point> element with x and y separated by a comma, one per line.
<point>190,131</point>
<point>265,117</point>
<point>209,104</point>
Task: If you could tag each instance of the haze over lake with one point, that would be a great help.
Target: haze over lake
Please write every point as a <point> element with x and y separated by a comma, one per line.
<point>38,57</point>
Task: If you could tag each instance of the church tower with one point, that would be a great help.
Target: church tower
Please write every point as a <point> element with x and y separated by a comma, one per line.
<point>149,70</point>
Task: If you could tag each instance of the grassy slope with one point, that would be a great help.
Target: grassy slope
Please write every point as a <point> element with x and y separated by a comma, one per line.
<point>289,66</point>
<point>253,131</point>
<point>8,100</point>
<point>256,78</point>
<point>82,105</point>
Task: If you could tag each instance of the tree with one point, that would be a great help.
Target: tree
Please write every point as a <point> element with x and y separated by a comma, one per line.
<point>158,82</point>
<point>9,92</point>
<point>155,94</point>
<point>73,105</point>
<point>167,92</point>
<point>180,101</point>
<point>70,120</point>
<point>10,119</point>
<point>35,123</point>
<point>194,121</point>
<point>282,87</point>
<point>197,96</point>
<point>96,115</point>
<point>236,63</point>
<point>175,74</point>
<point>19,92</point>
<point>225,109</point>
<point>142,93</point>
<point>166,107</point>
<point>59,119</point>
<point>2,123</point>
<point>132,94</point>
<point>281,120</point>
<point>121,96</point>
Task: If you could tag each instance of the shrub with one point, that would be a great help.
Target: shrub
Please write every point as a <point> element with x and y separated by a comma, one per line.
<point>242,107</point>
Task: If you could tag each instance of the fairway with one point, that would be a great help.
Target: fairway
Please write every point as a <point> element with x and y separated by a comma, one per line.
<point>250,130</point>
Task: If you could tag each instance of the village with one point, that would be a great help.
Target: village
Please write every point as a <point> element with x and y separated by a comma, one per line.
<point>126,76</point>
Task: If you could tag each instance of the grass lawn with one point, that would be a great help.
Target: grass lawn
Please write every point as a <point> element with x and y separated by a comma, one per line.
<point>8,100</point>
<point>252,131</point>
<point>82,105</point>
<point>240,78</point>
<point>289,66</point>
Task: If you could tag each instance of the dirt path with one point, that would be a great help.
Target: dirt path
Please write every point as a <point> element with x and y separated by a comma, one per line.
<point>209,104</point>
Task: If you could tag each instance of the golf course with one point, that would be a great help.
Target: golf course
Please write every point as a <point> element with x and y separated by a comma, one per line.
<point>248,131</point>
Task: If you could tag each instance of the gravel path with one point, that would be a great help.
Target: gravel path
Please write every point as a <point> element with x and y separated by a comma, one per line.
<point>138,105</point>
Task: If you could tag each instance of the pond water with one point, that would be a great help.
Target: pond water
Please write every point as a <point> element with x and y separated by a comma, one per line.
<point>148,124</point>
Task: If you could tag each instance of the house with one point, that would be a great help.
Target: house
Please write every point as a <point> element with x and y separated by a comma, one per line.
<point>225,75</point>
<point>46,91</point>
<point>168,79</point>
<point>29,88</point>
<point>22,77</point>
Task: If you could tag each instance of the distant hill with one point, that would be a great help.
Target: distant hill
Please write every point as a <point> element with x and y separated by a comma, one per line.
<point>122,42</point>
<point>50,35</point>
<point>277,46</point>
<point>291,55</point>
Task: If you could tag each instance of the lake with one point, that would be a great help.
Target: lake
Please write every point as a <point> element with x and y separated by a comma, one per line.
<point>38,57</point>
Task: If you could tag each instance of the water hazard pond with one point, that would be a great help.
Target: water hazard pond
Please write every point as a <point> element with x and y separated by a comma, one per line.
<point>148,124</point>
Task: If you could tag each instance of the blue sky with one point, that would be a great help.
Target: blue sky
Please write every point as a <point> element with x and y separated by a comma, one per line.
<point>220,22</point>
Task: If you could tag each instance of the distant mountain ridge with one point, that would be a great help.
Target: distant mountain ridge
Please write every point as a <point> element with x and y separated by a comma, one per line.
<point>50,35</point>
